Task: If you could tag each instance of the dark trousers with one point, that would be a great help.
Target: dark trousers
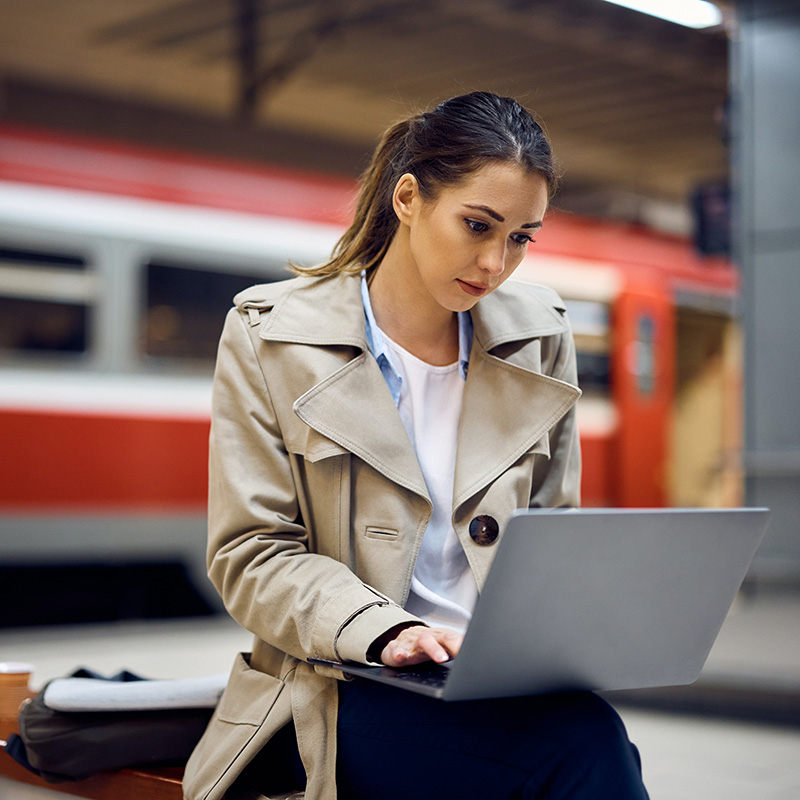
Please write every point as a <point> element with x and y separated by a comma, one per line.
<point>394,745</point>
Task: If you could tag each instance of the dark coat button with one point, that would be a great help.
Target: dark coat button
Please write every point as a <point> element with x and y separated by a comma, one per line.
<point>484,530</point>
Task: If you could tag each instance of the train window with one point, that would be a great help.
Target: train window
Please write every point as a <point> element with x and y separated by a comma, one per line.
<point>645,355</point>
<point>594,371</point>
<point>45,301</point>
<point>590,326</point>
<point>37,325</point>
<point>13,256</point>
<point>588,318</point>
<point>185,309</point>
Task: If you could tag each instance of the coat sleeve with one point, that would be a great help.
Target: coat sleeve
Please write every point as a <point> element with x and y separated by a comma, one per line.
<point>558,485</point>
<point>303,603</point>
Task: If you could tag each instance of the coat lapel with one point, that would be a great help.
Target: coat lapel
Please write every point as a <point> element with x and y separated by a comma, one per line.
<point>354,408</point>
<point>350,403</point>
<point>508,407</point>
<point>498,426</point>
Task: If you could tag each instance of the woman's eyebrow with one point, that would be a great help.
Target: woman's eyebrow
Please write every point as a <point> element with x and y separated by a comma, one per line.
<point>494,215</point>
<point>490,211</point>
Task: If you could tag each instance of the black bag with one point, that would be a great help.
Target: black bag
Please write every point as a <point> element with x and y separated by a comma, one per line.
<point>61,746</point>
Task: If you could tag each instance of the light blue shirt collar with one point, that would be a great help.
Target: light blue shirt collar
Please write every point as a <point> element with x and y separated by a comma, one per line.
<point>377,344</point>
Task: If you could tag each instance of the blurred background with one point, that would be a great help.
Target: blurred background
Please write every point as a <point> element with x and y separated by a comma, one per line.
<point>156,156</point>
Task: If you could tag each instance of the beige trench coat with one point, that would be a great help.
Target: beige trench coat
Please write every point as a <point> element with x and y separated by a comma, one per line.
<point>317,504</point>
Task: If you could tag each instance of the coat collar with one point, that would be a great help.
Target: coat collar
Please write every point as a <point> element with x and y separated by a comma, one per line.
<point>329,311</point>
<point>320,311</point>
<point>516,313</point>
<point>508,407</point>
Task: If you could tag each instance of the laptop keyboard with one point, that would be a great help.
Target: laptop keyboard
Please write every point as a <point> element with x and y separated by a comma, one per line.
<point>433,677</point>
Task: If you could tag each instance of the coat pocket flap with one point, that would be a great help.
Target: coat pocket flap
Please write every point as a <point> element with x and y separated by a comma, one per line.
<point>313,446</point>
<point>249,694</point>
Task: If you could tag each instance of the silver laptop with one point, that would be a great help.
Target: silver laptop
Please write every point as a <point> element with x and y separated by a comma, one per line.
<point>598,599</point>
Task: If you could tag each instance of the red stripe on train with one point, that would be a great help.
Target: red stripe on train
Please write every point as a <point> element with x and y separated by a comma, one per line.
<point>89,164</point>
<point>58,460</point>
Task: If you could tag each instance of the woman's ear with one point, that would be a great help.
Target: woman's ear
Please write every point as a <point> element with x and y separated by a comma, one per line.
<point>406,197</point>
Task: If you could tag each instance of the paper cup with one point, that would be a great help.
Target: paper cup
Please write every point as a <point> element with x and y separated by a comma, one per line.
<point>14,690</point>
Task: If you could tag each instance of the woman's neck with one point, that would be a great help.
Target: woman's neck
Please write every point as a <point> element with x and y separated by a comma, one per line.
<point>416,322</point>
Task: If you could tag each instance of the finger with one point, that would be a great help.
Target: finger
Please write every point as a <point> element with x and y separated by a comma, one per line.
<point>433,649</point>
<point>449,640</point>
<point>452,641</point>
<point>416,645</point>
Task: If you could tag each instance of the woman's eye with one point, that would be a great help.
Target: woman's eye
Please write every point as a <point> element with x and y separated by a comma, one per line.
<point>475,226</point>
<point>522,238</point>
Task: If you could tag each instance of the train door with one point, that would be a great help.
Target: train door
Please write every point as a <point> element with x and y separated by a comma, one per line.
<point>642,388</point>
<point>705,435</point>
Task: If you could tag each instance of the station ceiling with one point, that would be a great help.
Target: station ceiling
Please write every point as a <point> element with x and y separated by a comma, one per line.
<point>633,104</point>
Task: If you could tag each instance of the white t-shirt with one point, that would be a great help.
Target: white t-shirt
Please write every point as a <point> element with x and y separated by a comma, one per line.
<point>443,589</point>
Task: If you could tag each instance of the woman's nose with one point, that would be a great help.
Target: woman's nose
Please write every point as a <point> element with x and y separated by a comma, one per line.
<point>492,258</point>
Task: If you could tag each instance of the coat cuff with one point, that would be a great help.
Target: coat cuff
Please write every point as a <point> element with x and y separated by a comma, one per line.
<point>360,632</point>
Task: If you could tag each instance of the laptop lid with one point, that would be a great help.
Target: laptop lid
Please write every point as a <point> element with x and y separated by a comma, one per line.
<point>599,599</point>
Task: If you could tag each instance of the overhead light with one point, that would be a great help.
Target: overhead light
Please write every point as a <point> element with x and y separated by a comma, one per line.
<point>692,13</point>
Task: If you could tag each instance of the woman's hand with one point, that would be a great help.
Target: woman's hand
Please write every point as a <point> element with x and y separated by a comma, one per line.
<point>419,643</point>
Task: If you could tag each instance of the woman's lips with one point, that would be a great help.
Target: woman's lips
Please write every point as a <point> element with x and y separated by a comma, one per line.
<point>474,289</point>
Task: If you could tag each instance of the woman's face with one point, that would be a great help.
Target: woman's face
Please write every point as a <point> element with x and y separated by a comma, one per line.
<point>466,241</point>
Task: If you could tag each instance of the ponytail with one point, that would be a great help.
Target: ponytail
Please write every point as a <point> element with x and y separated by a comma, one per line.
<point>366,240</point>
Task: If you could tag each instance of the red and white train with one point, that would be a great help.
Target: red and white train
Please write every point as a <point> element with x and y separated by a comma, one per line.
<point>117,264</point>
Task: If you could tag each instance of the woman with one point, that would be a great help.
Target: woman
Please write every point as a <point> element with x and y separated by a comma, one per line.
<point>376,420</point>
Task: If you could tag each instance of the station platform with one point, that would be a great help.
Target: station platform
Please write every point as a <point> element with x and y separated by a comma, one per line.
<point>734,734</point>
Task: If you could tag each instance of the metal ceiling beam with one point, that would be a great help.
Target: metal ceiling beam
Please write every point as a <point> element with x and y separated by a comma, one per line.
<point>246,27</point>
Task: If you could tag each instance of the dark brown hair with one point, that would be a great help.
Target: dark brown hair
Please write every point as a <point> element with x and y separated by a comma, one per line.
<point>439,148</point>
